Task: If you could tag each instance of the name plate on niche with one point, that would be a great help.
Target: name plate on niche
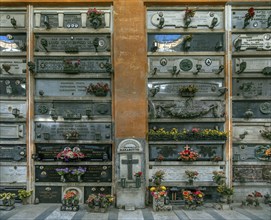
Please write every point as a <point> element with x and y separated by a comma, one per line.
<point>187,126</point>
<point>251,42</point>
<point>67,87</point>
<point>12,109</point>
<point>250,133</point>
<point>185,42</point>
<point>251,152</point>
<point>177,66</point>
<point>176,19</point>
<point>249,109</point>
<point>12,66</point>
<point>251,88</point>
<point>186,109</point>
<point>71,19</point>
<point>251,173</point>
<point>13,174</point>
<point>91,152</point>
<point>12,131</point>
<point>49,194</point>
<point>261,19</point>
<point>73,65</point>
<point>97,173</point>
<point>12,153</point>
<point>177,173</point>
<point>73,131</point>
<point>72,43</point>
<point>172,89</point>
<point>73,110</point>
<point>207,152</point>
<point>11,19</point>
<point>12,87</point>
<point>12,43</point>
<point>249,65</point>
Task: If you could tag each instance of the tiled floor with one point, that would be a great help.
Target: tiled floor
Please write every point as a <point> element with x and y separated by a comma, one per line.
<point>52,212</point>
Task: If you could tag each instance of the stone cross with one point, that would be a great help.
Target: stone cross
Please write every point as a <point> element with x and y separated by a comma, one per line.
<point>186,147</point>
<point>130,163</point>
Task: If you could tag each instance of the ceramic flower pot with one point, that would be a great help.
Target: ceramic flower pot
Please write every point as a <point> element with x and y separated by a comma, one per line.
<point>138,182</point>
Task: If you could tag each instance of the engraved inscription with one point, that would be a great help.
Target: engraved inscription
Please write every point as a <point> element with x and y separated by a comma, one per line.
<point>255,42</point>
<point>65,87</point>
<point>5,18</point>
<point>12,66</point>
<point>252,88</point>
<point>208,88</point>
<point>185,65</point>
<point>175,19</point>
<point>85,65</point>
<point>86,131</point>
<point>96,173</point>
<point>72,43</point>
<point>260,19</point>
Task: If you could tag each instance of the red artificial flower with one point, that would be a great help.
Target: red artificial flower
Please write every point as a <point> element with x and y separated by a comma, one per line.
<point>251,12</point>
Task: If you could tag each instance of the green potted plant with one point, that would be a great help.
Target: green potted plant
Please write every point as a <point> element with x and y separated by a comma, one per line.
<point>225,192</point>
<point>24,195</point>
<point>8,199</point>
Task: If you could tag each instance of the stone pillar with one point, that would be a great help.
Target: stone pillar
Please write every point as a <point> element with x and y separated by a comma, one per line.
<point>129,100</point>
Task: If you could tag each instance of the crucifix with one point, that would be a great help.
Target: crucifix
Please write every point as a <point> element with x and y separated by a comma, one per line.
<point>130,163</point>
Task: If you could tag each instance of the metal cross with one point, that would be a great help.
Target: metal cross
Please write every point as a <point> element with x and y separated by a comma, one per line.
<point>130,163</point>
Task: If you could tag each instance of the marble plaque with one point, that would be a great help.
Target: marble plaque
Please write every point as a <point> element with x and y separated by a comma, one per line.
<point>185,66</point>
<point>13,174</point>
<point>186,109</point>
<point>259,21</point>
<point>170,89</point>
<point>250,133</point>
<point>258,109</point>
<point>14,66</point>
<point>7,16</point>
<point>72,64</point>
<point>179,42</point>
<point>175,19</point>
<point>177,173</point>
<point>255,65</point>
<point>72,43</point>
<point>73,131</point>
<point>12,109</point>
<point>67,87</point>
<point>73,110</point>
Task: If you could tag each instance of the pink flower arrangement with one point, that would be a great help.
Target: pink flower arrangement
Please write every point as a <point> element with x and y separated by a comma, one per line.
<point>68,153</point>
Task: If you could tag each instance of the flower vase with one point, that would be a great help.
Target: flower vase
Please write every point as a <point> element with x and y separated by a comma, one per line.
<point>190,182</point>
<point>158,203</point>
<point>138,182</point>
<point>157,181</point>
<point>8,202</point>
<point>79,178</point>
<point>24,201</point>
<point>62,178</point>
